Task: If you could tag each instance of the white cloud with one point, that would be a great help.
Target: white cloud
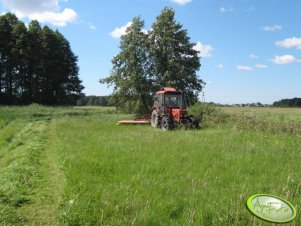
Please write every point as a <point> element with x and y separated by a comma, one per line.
<point>204,50</point>
<point>226,10</point>
<point>290,43</point>
<point>45,11</point>
<point>119,31</point>
<point>26,7</point>
<point>59,19</point>
<point>244,68</point>
<point>261,66</point>
<point>285,59</point>
<point>220,66</point>
<point>253,56</point>
<point>274,27</point>
<point>181,2</point>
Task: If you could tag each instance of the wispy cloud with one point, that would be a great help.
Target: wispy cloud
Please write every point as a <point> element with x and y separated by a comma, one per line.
<point>250,68</point>
<point>119,31</point>
<point>253,56</point>
<point>204,50</point>
<point>244,68</point>
<point>181,2</point>
<point>290,43</point>
<point>226,10</point>
<point>45,11</point>
<point>261,66</point>
<point>285,59</point>
<point>274,27</point>
<point>220,66</point>
<point>92,26</point>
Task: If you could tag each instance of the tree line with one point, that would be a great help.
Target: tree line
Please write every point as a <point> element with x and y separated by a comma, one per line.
<point>37,65</point>
<point>294,102</point>
<point>93,101</point>
<point>164,56</point>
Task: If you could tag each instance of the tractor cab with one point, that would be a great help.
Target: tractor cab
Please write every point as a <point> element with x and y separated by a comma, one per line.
<point>169,98</point>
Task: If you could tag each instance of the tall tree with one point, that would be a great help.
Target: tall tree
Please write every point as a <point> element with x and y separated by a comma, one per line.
<point>68,85</point>
<point>132,83</point>
<point>20,52</point>
<point>149,61</point>
<point>50,64</point>
<point>35,68</point>
<point>36,65</point>
<point>174,62</point>
<point>7,23</point>
<point>60,83</point>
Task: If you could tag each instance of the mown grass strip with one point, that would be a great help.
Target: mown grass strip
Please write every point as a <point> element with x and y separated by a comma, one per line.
<point>9,131</point>
<point>46,195</point>
<point>25,174</point>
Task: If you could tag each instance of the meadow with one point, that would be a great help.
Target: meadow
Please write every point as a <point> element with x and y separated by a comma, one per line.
<point>76,166</point>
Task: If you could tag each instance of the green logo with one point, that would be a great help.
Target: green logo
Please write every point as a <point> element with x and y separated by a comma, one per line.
<point>271,208</point>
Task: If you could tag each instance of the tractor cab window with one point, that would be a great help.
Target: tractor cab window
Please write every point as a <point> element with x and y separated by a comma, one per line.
<point>173,100</point>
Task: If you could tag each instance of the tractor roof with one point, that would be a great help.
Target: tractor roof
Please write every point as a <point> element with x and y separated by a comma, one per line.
<point>167,89</point>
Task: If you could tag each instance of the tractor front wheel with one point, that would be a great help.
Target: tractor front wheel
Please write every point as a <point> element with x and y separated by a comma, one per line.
<point>166,123</point>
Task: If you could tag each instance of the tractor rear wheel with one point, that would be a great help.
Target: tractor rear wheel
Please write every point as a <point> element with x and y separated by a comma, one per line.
<point>154,119</point>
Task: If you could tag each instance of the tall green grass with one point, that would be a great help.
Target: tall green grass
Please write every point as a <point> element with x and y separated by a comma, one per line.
<point>118,175</point>
<point>79,168</point>
<point>270,120</point>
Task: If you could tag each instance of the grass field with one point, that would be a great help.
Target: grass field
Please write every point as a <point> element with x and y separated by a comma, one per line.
<point>75,166</point>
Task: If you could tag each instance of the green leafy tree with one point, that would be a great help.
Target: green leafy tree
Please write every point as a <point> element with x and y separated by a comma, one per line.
<point>132,83</point>
<point>91,100</point>
<point>81,101</point>
<point>174,62</point>
<point>294,102</point>
<point>96,101</point>
<point>103,101</point>
<point>150,61</point>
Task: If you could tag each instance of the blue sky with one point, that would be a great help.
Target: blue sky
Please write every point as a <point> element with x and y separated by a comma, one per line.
<point>251,50</point>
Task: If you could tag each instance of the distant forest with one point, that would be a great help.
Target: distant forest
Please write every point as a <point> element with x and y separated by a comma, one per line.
<point>37,65</point>
<point>295,102</point>
<point>93,101</point>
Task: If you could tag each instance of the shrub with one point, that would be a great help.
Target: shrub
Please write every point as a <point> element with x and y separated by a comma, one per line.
<point>208,115</point>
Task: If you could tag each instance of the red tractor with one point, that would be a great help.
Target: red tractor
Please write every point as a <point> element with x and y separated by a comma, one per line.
<point>170,110</point>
